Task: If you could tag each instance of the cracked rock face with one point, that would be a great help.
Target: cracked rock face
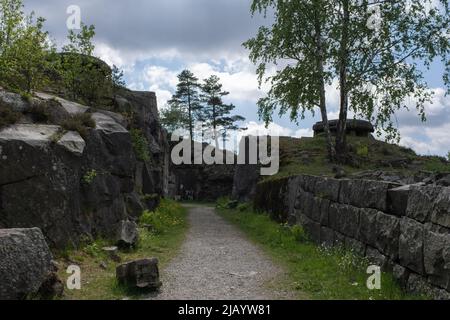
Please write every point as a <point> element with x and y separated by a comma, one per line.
<point>43,180</point>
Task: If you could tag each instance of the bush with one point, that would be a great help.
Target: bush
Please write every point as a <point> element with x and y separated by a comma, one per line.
<point>299,233</point>
<point>166,216</point>
<point>39,112</point>
<point>362,151</point>
<point>140,145</point>
<point>8,116</point>
<point>80,123</point>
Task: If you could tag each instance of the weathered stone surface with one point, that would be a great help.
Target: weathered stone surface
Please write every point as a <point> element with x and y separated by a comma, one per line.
<point>418,285</point>
<point>421,202</point>
<point>311,227</point>
<point>411,244</point>
<point>25,262</point>
<point>305,203</point>
<point>441,212</point>
<point>367,231</point>
<point>398,200</point>
<point>325,212</point>
<point>387,234</point>
<point>127,234</point>
<point>70,106</point>
<point>361,128</point>
<point>365,193</point>
<point>345,219</point>
<point>437,258</point>
<point>141,274</point>
<point>401,274</point>
<point>327,188</point>
<point>327,237</point>
<point>376,257</point>
<point>355,246</point>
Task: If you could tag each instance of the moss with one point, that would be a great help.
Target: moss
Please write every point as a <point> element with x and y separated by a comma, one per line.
<point>140,145</point>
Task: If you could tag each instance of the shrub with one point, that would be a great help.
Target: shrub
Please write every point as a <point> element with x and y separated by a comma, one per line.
<point>299,233</point>
<point>39,112</point>
<point>8,116</point>
<point>90,176</point>
<point>362,151</point>
<point>80,123</point>
<point>166,216</point>
<point>140,145</point>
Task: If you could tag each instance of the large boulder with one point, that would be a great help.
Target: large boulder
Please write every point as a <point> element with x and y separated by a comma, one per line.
<point>46,175</point>
<point>25,262</point>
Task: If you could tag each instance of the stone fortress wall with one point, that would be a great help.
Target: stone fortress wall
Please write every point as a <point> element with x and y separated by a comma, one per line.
<point>403,229</point>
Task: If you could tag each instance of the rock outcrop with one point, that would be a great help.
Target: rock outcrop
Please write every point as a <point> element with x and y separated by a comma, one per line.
<point>73,187</point>
<point>25,262</point>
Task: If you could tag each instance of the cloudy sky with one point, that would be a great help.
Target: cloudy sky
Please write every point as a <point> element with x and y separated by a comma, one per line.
<point>153,40</point>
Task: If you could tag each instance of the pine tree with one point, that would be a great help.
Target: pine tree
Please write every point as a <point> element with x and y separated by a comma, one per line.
<point>187,98</point>
<point>215,112</point>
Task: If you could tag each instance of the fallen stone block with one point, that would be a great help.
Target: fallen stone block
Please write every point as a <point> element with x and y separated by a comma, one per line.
<point>141,274</point>
<point>127,234</point>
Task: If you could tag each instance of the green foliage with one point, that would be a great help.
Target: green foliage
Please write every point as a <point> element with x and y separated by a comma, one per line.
<point>174,117</point>
<point>215,113</point>
<point>140,145</point>
<point>80,123</point>
<point>314,272</point>
<point>25,50</point>
<point>90,176</point>
<point>8,116</point>
<point>167,216</point>
<point>85,77</point>
<point>379,71</point>
<point>100,284</point>
<point>299,233</point>
<point>117,77</point>
<point>362,150</point>
<point>187,99</point>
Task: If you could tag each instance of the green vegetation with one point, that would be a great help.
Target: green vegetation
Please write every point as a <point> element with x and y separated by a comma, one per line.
<point>309,156</point>
<point>140,145</point>
<point>25,52</point>
<point>313,272</point>
<point>80,123</point>
<point>90,176</point>
<point>163,243</point>
<point>203,103</point>
<point>378,58</point>
<point>29,60</point>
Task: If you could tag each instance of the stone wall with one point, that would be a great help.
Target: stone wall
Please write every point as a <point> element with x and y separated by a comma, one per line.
<point>403,229</point>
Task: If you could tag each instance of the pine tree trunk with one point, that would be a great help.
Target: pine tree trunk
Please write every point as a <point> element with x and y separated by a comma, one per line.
<point>341,141</point>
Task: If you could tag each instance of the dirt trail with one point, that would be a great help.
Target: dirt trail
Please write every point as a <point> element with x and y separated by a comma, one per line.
<point>216,261</point>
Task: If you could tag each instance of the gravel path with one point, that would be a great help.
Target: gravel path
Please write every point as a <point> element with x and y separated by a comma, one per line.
<point>218,262</point>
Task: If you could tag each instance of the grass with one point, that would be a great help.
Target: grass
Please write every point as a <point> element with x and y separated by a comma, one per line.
<point>169,221</point>
<point>312,272</point>
<point>308,156</point>
<point>80,123</point>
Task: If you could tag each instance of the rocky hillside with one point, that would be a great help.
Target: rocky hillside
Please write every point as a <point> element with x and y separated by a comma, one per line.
<point>78,172</point>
